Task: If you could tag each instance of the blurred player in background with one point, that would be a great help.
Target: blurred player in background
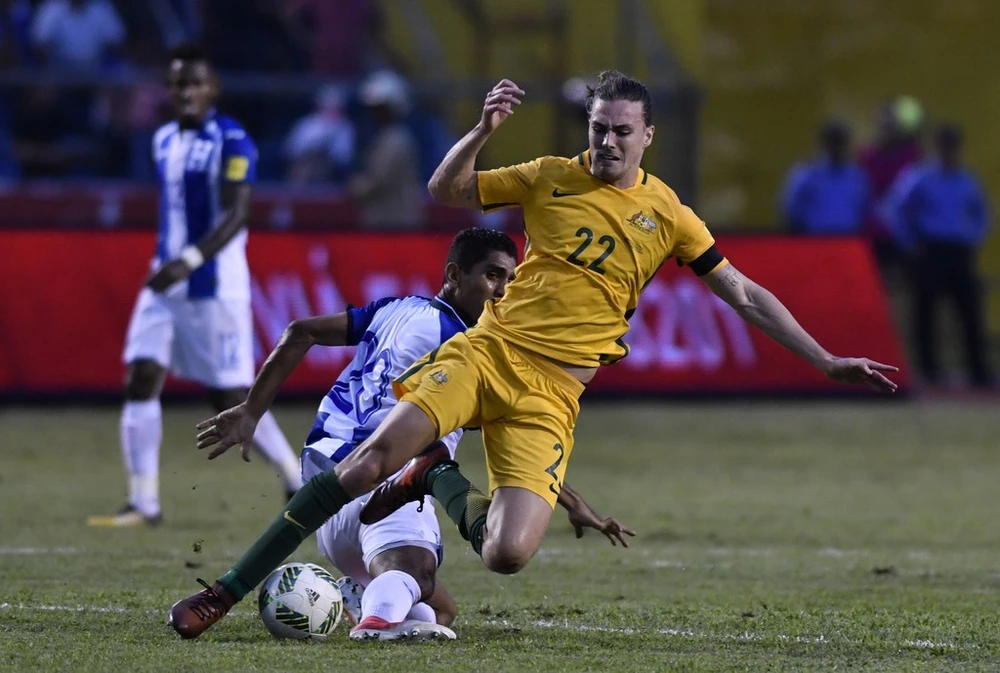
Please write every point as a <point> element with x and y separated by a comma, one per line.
<point>599,228</point>
<point>940,216</point>
<point>393,561</point>
<point>193,314</point>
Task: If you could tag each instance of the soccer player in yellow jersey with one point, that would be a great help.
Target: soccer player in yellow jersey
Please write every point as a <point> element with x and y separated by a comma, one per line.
<point>599,227</point>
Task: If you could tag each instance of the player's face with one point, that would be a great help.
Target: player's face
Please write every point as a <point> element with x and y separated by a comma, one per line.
<point>192,89</point>
<point>486,281</point>
<point>618,137</point>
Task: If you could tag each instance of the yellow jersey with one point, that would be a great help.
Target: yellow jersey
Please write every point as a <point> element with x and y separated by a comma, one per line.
<point>591,249</point>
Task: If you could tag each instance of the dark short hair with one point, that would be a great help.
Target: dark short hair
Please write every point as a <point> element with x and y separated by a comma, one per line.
<point>613,85</point>
<point>948,134</point>
<point>834,131</point>
<point>188,52</point>
<point>472,246</point>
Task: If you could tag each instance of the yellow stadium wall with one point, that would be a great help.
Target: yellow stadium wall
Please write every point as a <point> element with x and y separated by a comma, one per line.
<point>774,70</point>
<point>594,42</point>
<point>771,71</point>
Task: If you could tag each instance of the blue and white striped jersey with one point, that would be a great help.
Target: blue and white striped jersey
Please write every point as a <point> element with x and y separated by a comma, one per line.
<point>391,334</point>
<point>192,165</point>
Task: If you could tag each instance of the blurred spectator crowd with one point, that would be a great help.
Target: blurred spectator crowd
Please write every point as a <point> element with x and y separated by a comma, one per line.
<point>925,214</point>
<point>50,127</point>
<point>81,94</point>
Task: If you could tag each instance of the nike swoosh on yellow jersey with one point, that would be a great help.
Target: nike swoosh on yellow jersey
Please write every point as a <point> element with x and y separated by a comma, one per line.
<point>288,517</point>
<point>558,195</point>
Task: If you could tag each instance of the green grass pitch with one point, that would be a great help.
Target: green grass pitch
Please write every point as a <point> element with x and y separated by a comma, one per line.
<point>772,536</point>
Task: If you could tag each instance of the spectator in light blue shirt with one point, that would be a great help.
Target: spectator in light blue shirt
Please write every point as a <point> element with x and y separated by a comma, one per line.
<point>939,201</point>
<point>77,34</point>
<point>938,213</point>
<point>831,195</point>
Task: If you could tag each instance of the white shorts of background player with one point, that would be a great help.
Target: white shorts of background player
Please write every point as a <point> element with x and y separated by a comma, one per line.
<point>209,340</point>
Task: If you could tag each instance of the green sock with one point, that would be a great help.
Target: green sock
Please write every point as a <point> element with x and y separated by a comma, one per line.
<point>465,504</point>
<point>319,499</point>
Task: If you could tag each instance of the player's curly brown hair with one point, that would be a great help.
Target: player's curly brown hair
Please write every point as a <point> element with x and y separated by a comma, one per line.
<point>613,85</point>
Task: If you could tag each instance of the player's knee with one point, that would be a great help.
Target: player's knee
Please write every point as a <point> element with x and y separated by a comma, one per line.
<point>505,561</point>
<point>364,468</point>
<point>143,380</point>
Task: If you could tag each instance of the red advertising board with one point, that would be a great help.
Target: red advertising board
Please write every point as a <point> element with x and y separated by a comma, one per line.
<point>65,300</point>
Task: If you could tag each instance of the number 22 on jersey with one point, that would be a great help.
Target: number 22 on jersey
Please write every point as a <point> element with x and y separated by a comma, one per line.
<point>605,245</point>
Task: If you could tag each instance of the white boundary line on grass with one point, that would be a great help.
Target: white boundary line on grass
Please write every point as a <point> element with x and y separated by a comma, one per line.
<point>746,636</point>
<point>64,608</point>
<point>100,609</point>
<point>38,551</point>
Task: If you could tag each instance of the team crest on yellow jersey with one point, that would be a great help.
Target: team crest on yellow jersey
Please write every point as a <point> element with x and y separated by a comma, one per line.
<point>644,224</point>
<point>439,378</point>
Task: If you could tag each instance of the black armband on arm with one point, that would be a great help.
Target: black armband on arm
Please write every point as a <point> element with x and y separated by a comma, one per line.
<point>707,261</point>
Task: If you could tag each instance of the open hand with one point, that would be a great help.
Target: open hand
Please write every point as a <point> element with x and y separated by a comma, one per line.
<point>611,528</point>
<point>499,105</point>
<point>862,371</point>
<point>229,428</point>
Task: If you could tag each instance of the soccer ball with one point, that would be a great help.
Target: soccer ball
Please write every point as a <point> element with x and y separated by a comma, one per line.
<point>300,600</point>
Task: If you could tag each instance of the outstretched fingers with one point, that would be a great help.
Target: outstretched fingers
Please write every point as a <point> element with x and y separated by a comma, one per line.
<point>224,445</point>
<point>614,530</point>
<point>209,436</point>
<point>878,366</point>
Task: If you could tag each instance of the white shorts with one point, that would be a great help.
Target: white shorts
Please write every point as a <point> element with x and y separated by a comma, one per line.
<point>205,340</point>
<point>351,546</point>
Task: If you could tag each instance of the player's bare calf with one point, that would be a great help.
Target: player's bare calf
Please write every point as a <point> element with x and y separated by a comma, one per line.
<point>515,525</point>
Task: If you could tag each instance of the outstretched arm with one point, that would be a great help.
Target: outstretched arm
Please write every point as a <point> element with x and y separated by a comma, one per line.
<point>582,515</point>
<point>454,183</point>
<point>237,425</point>
<point>761,308</point>
<point>295,342</point>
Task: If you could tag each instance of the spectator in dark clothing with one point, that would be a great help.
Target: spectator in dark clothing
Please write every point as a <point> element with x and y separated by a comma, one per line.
<point>940,217</point>
<point>830,195</point>
<point>250,36</point>
<point>15,33</point>
<point>341,35</point>
<point>46,142</point>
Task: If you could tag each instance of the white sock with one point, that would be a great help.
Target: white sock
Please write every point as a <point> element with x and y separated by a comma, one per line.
<point>390,596</point>
<point>272,443</point>
<point>141,434</point>
<point>422,613</point>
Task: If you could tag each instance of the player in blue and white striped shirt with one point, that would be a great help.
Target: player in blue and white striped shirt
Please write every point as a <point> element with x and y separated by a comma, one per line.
<point>193,315</point>
<point>394,560</point>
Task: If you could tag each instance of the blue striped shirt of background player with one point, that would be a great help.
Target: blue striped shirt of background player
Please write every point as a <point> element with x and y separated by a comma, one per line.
<point>391,334</point>
<point>931,204</point>
<point>191,166</point>
<point>826,198</point>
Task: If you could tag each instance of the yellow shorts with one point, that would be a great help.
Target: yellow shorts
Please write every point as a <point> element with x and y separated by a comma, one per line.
<point>526,406</point>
